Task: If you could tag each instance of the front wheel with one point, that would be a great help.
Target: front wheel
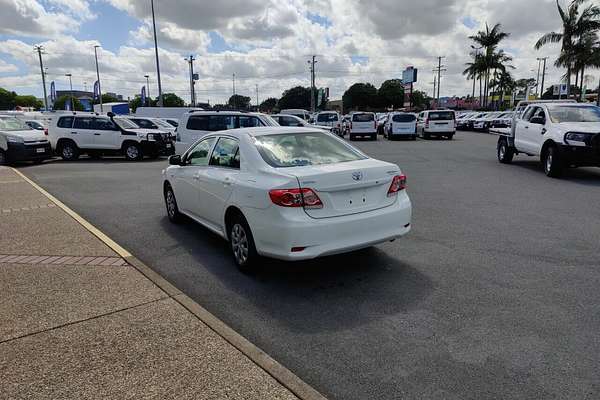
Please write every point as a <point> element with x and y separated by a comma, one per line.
<point>505,152</point>
<point>242,244</point>
<point>133,152</point>
<point>374,136</point>
<point>553,165</point>
<point>171,204</point>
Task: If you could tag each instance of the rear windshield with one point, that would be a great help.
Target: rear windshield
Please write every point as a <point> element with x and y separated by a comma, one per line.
<point>366,117</point>
<point>403,118</point>
<point>299,149</point>
<point>441,115</point>
<point>329,117</point>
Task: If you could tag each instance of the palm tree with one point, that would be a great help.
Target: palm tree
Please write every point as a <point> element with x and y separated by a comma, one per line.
<point>489,40</point>
<point>503,82</point>
<point>576,25</point>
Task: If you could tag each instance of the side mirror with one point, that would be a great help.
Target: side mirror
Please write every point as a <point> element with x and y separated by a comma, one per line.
<point>175,160</point>
<point>110,114</point>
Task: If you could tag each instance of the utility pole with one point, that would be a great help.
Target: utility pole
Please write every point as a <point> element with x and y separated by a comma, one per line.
<point>434,86</point>
<point>98,77</point>
<point>439,70</point>
<point>543,74</point>
<point>190,61</point>
<point>147,87</point>
<point>71,85</point>
<point>257,97</point>
<point>39,50</point>
<point>233,88</point>
<point>312,63</point>
<point>160,96</point>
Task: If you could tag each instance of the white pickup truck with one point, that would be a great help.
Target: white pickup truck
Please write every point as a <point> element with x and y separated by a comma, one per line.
<point>562,134</point>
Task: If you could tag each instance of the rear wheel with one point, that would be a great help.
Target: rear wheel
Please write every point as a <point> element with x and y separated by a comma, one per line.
<point>374,136</point>
<point>553,165</point>
<point>242,244</point>
<point>69,151</point>
<point>505,152</point>
<point>3,159</point>
<point>133,152</point>
<point>426,135</point>
<point>350,137</point>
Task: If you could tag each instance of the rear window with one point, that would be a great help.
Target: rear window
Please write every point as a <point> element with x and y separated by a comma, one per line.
<point>210,123</point>
<point>65,122</point>
<point>328,117</point>
<point>403,118</point>
<point>83,123</point>
<point>441,115</point>
<point>299,149</point>
<point>366,117</point>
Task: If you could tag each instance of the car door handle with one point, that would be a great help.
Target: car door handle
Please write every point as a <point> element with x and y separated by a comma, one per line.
<point>544,131</point>
<point>526,127</point>
<point>96,134</point>
<point>74,133</point>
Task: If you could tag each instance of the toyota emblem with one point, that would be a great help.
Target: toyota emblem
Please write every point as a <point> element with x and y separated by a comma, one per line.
<point>357,176</point>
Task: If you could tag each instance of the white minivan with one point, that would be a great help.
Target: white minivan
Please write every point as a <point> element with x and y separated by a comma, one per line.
<point>363,124</point>
<point>400,124</point>
<point>440,123</point>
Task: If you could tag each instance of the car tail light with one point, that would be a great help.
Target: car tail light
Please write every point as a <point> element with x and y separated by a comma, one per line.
<point>46,131</point>
<point>426,123</point>
<point>398,184</point>
<point>350,125</point>
<point>375,124</point>
<point>305,197</point>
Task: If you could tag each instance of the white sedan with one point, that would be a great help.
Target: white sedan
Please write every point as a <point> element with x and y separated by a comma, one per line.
<point>287,193</point>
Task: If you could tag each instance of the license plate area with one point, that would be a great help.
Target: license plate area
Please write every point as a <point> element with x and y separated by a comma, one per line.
<point>40,150</point>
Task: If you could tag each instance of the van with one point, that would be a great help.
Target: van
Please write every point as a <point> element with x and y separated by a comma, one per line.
<point>400,124</point>
<point>363,124</point>
<point>440,123</point>
<point>331,119</point>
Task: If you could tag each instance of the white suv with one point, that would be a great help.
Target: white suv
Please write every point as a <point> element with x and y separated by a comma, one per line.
<point>562,134</point>
<point>331,119</point>
<point>19,142</point>
<point>75,133</point>
<point>196,124</point>
<point>363,124</point>
<point>437,123</point>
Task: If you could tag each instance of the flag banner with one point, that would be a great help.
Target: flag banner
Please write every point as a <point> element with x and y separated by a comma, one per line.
<point>52,91</point>
<point>143,94</point>
<point>96,90</point>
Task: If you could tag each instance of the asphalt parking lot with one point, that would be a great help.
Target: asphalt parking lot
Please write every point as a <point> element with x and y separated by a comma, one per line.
<point>494,293</point>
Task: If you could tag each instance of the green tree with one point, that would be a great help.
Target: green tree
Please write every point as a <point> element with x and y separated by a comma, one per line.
<point>576,26</point>
<point>7,99</point>
<point>61,103</point>
<point>28,101</point>
<point>391,94</point>
<point>296,97</point>
<point>420,100</point>
<point>268,105</point>
<point>171,100</point>
<point>137,102</point>
<point>107,98</point>
<point>360,96</point>
<point>240,102</point>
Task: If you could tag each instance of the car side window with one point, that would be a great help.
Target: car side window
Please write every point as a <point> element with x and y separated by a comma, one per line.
<point>197,123</point>
<point>145,124</point>
<point>528,113</point>
<point>199,154</point>
<point>83,123</point>
<point>249,122</point>
<point>289,121</point>
<point>220,122</point>
<point>103,124</point>
<point>65,122</point>
<point>226,153</point>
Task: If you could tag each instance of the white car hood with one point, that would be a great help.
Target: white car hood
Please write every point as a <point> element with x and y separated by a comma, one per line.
<point>591,127</point>
<point>28,134</point>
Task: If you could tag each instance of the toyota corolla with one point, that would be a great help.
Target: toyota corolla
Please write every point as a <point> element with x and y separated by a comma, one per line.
<point>287,193</point>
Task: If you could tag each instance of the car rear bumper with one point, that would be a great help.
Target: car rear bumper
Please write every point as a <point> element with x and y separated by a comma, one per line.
<point>28,152</point>
<point>277,230</point>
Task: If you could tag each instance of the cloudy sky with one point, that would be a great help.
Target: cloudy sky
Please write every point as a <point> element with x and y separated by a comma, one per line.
<point>266,43</point>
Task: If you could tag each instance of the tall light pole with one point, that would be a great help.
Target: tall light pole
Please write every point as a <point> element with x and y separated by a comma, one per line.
<point>257,97</point>
<point>147,87</point>
<point>537,81</point>
<point>312,63</point>
<point>71,85</point>
<point>39,50</point>
<point>543,74</point>
<point>98,77</point>
<point>160,96</point>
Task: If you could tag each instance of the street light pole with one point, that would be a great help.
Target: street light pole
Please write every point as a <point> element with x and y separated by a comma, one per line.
<point>39,50</point>
<point>160,96</point>
<point>543,75</point>
<point>147,87</point>
<point>98,77</point>
<point>71,86</point>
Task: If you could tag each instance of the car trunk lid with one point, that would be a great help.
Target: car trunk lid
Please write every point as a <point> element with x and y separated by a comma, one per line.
<point>348,188</point>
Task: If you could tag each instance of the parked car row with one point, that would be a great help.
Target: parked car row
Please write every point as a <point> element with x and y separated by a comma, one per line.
<point>484,121</point>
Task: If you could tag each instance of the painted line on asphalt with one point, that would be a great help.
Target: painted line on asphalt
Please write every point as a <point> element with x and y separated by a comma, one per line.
<point>277,371</point>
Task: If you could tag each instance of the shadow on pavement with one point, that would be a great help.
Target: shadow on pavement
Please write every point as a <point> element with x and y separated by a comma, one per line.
<point>334,293</point>
<point>588,176</point>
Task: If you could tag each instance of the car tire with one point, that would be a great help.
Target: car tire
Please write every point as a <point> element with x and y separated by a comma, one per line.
<point>426,135</point>
<point>504,151</point>
<point>171,204</point>
<point>374,136</point>
<point>242,245</point>
<point>414,137</point>
<point>552,162</point>
<point>95,155</point>
<point>451,136</point>
<point>69,151</point>
<point>3,158</point>
<point>350,137</point>
<point>133,152</point>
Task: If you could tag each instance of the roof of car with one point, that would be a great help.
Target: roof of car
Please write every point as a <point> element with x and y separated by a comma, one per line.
<point>205,112</point>
<point>267,130</point>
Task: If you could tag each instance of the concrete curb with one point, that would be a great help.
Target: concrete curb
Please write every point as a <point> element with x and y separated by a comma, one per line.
<point>280,373</point>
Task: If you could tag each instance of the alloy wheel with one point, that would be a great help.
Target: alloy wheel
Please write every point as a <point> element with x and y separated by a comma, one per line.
<point>239,244</point>
<point>132,152</point>
<point>171,204</point>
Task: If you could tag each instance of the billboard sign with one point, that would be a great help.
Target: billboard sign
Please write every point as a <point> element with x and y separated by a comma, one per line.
<point>409,75</point>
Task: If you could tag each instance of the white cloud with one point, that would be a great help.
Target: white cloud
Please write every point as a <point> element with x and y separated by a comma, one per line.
<point>30,18</point>
<point>7,67</point>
